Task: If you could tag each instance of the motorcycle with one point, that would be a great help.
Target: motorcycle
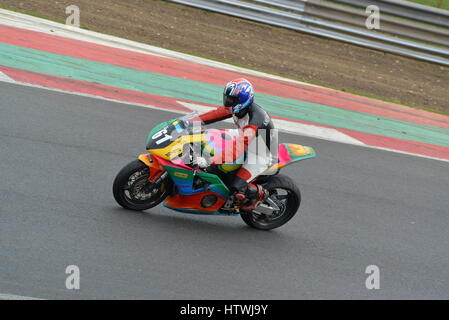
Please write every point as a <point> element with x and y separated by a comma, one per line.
<point>168,173</point>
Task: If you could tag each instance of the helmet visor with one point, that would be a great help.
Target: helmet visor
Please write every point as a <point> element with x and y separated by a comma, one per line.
<point>230,101</point>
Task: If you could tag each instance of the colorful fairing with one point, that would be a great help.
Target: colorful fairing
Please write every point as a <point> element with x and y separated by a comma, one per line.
<point>217,141</point>
<point>197,191</point>
<point>192,187</point>
<point>289,153</point>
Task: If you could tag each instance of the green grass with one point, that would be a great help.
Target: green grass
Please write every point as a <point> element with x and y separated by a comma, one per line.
<point>442,4</point>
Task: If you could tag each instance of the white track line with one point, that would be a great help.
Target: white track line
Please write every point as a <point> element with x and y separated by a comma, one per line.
<point>287,129</point>
<point>5,78</point>
<point>301,129</point>
<point>91,96</point>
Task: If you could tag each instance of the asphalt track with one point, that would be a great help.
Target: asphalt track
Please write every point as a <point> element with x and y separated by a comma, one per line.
<point>60,153</point>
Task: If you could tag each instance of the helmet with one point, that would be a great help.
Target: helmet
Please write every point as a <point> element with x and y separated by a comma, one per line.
<point>238,95</point>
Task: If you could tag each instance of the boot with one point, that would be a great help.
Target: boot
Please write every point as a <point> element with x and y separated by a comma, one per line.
<point>254,194</point>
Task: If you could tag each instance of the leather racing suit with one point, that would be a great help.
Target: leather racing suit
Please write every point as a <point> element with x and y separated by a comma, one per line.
<point>255,132</point>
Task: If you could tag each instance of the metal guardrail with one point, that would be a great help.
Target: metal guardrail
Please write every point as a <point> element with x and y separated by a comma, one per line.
<point>405,9</point>
<point>390,25</point>
<point>342,23</point>
<point>350,16</point>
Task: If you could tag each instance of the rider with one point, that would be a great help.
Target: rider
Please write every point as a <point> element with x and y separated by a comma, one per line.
<point>250,118</point>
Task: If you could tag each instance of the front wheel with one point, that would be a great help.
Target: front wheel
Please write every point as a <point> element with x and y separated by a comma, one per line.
<point>282,191</point>
<point>133,191</point>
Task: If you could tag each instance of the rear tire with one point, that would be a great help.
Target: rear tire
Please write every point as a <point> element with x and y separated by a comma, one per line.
<point>289,209</point>
<point>133,191</point>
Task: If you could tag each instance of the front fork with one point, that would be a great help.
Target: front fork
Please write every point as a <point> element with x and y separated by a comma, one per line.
<point>156,170</point>
<point>157,173</point>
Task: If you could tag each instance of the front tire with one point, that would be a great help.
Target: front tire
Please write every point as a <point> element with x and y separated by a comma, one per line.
<point>133,191</point>
<point>288,201</point>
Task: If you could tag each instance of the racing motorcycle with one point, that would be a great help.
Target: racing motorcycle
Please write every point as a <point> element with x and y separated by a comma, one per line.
<point>168,173</point>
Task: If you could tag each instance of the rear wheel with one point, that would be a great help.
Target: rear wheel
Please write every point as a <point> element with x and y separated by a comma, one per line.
<point>285,194</point>
<point>133,191</point>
